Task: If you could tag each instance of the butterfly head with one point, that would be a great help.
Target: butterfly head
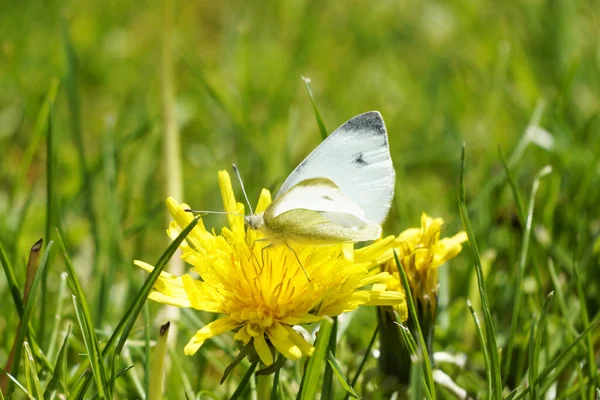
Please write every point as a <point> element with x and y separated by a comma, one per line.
<point>254,221</point>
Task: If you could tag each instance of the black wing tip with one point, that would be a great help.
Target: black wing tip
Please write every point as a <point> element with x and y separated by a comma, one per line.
<point>371,120</point>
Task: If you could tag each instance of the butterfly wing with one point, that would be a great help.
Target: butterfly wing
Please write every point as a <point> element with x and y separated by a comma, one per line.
<point>356,157</point>
<point>316,211</point>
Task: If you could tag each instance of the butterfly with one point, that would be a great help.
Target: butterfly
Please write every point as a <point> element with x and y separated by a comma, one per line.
<point>341,192</point>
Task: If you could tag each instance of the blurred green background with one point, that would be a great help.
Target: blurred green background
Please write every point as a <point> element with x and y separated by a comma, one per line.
<point>441,73</point>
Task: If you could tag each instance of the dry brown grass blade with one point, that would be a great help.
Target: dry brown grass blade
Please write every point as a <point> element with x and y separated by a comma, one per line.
<point>32,267</point>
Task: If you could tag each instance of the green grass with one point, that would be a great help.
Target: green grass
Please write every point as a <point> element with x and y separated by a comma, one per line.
<point>81,144</point>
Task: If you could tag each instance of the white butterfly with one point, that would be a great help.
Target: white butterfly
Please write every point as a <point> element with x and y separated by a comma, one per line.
<point>341,192</point>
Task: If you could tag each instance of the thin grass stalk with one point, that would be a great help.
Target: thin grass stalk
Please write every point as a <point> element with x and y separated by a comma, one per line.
<point>31,372</point>
<point>38,129</point>
<point>327,389</point>
<point>311,378</point>
<point>137,386</point>
<point>112,216</point>
<point>51,203</point>
<point>51,209</point>
<point>27,312</point>
<point>521,271</point>
<point>18,302</point>
<point>182,373</point>
<point>422,351</point>
<point>364,359</point>
<point>60,370</point>
<point>147,346</point>
<point>337,370</point>
<point>555,364</point>
<point>244,382</point>
<point>535,345</point>
<point>11,280</point>
<point>590,350</point>
<point>484,349</point>
<point>123,328</point>
<point>62,285</point>
<point>416,376</point>
<point>513,188</point>
<point>489,325</point>
<point>275,388</point>
<point>532,358</point>
<point>91,345</point>
<point>320,122</point>
<point>171,138</point>
<point>77,132</point>
<point>155,391</point>
<point>560,296</point>
<point>517,154</point>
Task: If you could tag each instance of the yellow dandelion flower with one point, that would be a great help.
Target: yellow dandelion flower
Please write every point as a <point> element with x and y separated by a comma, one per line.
<point>421,252</point>
<point>262,292</point>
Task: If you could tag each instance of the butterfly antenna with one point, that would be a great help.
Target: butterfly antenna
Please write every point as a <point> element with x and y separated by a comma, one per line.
<point>203,213</point>
<point>237,172</point>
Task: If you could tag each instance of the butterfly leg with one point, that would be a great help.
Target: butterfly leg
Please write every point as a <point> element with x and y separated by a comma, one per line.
<point>298,259</point>
<point>262,255</point>
<point>252,249</point>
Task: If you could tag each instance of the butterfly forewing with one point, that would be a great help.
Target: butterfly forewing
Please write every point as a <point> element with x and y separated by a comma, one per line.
<point>356,158</point>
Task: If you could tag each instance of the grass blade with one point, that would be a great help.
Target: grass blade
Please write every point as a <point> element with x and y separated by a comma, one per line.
<point>16,382</point>
<point>147,347</point>
<point>155,391</point>
<point>591,358</point>
<point>320,122</point>
<point>532,360</point>
<point>85,322</point>
<point>75,118</point>
<point>311,378</point>
<point>58,311</point>
<point>484,349</point>
<point>28,310</point>
<point>513,188</point>
<point>335,367</point>
<point>409,339</point>
<point>59,367</point>
<point>416,374</point>
<point>560,358</point>
<point>535,345</point>
<point>244,382</point>
<point>31,373</point>
<point>412,311</point>
<point>364,359</point>
<point>139,301</point>
<point>15,292</point>
<point>327,389</point>
<point>11,280</point>
<point>125,325</point>
<point>275,389</point>
<point>38,129</point>
<point>522,264</point>
<point>489,325</point>
<point>182,373</point>
<point>512,394</point>
<point>91,344</point>
<point>51,212</point>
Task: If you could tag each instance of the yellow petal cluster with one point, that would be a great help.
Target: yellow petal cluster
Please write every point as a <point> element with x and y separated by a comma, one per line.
<point>263,291</point>
<point>421,252</point>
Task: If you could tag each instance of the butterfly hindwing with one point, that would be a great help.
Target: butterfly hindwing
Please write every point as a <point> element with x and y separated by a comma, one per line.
<point>315,210</point>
